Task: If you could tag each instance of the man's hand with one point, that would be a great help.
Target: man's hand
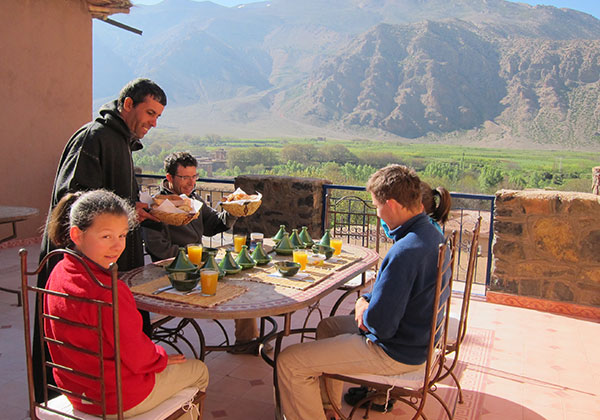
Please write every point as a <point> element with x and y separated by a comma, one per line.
<point>174,359</point>
<point>142,212</point>
<point>360,307</point>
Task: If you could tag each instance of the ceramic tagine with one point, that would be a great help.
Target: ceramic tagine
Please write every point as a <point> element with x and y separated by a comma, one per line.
<point>211,264</point>
<point>305,237</point>
<point>228,264</point>
<point>259,255</point>
<point>181,263</point>
<point>326,239</point>
<point>284,247</point>
<point>279,235</point>
<point>244,259</point>
<point>295,239</point>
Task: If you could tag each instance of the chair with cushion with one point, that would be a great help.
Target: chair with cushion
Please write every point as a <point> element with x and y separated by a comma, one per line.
<point>60,407</point>
<point>457,328</point>
<point>413,388</point>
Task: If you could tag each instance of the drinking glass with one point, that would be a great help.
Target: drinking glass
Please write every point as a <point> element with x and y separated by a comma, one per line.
<point>208,282</point>
<point>238,242</point>
<point>336,244</point>
<point>194,252</point>
<point>300,256</point>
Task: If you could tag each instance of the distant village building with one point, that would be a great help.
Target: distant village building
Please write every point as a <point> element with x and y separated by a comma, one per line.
<point>211,164</point>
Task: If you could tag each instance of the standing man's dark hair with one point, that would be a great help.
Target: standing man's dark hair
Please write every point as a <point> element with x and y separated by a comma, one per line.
<point>99,156</point>
<point>138,90</point>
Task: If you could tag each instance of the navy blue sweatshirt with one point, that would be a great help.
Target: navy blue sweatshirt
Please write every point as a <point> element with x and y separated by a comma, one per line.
<point>400,306</point>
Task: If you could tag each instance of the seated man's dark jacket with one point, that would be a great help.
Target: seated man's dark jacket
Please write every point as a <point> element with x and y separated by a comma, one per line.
<point>400,306</point>
<point>163,241</point>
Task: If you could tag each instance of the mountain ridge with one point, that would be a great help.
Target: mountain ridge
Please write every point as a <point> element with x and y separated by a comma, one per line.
<point>399,69</point>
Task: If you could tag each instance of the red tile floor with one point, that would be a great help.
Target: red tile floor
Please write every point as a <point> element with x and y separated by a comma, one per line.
<point>516,364</point>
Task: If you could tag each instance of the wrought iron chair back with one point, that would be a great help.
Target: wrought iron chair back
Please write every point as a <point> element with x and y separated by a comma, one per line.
<point>458,326</point>
<point>60,407</point>
<point>414,387</point>
<point>36,409</point>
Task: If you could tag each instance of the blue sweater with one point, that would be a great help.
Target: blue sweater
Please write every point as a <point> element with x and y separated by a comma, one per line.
<point>400,306</point>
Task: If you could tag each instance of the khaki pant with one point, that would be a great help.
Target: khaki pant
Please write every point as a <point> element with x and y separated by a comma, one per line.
<point>170,381</point>
<point>338,349</point>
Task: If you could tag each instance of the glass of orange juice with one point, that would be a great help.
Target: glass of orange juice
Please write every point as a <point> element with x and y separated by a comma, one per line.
<point>301,256</point>
<point>336,244</point>
<point>208,282</point>
<point>194,252</point>
<point>238,242</point>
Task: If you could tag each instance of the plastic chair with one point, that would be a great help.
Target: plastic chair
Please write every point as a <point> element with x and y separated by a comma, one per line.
<point>457,329</point>
<point>412,388</point>
<point>60,407</point>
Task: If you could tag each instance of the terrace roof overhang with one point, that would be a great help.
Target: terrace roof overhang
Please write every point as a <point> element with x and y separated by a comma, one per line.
<point>102,9</point>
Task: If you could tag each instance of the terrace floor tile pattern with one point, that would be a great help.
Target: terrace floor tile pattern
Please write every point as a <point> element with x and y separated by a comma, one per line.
<point>517,364</point>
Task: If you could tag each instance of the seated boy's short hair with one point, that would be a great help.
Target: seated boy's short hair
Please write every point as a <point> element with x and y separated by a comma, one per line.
<point>398,182</point>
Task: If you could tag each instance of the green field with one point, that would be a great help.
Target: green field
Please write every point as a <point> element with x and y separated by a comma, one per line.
<point>458,168</point>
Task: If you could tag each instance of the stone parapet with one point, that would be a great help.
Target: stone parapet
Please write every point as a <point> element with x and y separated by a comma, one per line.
<point>547,246</point>
<point>290,201</point>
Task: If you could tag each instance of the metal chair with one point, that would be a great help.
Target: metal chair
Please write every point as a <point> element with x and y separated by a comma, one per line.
<point>60,407</point>
<point>457,328</point>
<point>413,388</point>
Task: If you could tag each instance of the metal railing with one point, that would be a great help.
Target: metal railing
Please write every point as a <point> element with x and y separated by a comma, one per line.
<point>348,212</point>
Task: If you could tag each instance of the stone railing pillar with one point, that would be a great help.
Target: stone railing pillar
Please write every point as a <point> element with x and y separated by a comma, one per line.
<point>547,246</point>
<point>290,201</point>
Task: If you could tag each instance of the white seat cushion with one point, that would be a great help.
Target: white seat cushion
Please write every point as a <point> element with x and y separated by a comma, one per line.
<point>163,410</point>
<point>412,380</point>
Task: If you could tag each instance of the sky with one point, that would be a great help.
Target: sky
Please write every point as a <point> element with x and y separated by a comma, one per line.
<point>588,6</point>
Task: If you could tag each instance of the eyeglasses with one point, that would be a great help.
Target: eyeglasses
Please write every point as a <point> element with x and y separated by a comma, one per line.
<point>188,178</point>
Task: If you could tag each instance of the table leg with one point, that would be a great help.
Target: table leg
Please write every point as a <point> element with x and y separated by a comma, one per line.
<point>5,289</point>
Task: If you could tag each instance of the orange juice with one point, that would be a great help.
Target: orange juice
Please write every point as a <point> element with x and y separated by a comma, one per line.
<point>208,281</point>
<point>238,242</point>
<point>194,252</point>
<point>336,244</point>
<point>300,256</point>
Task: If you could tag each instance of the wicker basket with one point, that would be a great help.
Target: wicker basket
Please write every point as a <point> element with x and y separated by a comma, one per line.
<point>175,219</point>
<point>241,208</point>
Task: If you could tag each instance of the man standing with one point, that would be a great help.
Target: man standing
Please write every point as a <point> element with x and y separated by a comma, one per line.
<point>163,241</point>
<point>98,155</point>
<point>390,330</point>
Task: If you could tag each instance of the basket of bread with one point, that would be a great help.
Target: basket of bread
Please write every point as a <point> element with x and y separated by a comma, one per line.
<point>174,209</point>
<point>240,204</point>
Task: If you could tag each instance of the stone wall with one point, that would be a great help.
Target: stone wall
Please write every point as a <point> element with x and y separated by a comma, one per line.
<point>547,246</point>
<point>290,201</point>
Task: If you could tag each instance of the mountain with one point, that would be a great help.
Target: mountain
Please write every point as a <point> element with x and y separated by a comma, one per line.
<point>488,71</point>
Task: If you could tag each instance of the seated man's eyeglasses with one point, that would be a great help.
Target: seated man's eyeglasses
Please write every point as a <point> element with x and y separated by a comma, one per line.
<point>188,178</point>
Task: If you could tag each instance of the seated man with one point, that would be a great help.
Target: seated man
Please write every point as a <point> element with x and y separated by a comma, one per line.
<point>390,330</point>
<point>164,242</point>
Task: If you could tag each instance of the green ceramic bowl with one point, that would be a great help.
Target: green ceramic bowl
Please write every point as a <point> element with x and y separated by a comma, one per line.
<point>323,249</point>
<point>184,281</point>
<point>287,268</point>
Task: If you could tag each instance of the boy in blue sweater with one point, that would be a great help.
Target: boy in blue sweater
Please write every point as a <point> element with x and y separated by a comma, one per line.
<point>390,330</point>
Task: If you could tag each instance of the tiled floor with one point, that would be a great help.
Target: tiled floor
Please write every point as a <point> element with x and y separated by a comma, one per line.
<point>517,364</point>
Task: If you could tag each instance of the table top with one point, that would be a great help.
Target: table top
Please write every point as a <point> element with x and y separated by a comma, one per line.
<point>260,299</point>
<point>15,214</point>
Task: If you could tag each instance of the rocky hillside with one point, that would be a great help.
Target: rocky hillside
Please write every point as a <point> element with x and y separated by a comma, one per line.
<point>412,80</point>
<point>482,70</point>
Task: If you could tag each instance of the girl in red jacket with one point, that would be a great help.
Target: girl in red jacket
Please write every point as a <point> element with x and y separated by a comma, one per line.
<point>95,224</point>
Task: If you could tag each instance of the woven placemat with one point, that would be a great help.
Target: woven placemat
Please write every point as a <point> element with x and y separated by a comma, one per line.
<point>225,292</point>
